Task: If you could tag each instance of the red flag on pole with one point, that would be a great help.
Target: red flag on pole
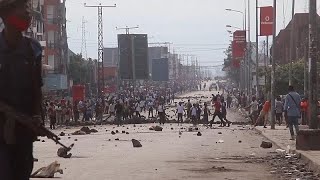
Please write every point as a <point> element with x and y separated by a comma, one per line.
<point>266,21</point>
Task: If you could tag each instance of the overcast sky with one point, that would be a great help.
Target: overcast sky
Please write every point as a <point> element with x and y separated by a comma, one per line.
<point>196,27</point>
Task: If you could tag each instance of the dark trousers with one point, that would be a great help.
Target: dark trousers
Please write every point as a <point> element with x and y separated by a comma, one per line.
<point>180,120</point>
<point>150,112</point>
<point>162,117</point>
<point>16,161</point>
<point>219,114</point>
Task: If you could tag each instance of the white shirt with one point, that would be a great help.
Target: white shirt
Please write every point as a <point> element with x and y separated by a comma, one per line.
<point>180,109</point>
<point>160,108</point>
<point>254,106</point>
<point>111,108</point>
<point>194,111</point>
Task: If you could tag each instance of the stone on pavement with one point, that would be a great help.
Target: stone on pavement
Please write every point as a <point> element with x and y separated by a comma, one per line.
<point>266,144</point>
<point>136,143</point>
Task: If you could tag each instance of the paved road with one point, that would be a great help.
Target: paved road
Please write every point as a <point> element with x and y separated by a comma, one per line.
<point>165,155</point>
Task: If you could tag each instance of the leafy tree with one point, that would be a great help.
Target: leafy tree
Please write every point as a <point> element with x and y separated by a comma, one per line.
<point>79,70</point>
<point>232,72</point>
<point>282,78</point>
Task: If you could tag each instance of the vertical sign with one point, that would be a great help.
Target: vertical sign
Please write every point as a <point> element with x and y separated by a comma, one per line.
<point>266,21</point>
<point>238,47</point>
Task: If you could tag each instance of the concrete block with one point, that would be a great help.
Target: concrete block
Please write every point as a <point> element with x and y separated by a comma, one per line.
<point>308,139</point>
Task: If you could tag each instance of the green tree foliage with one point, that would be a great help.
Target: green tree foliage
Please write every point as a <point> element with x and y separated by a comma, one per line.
<point>282,78</point>
<point>232,72</point>
<point>79,69</point>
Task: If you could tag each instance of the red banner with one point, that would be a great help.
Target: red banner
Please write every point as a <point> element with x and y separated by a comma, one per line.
<point>238,47</point>
<point>266,21</point>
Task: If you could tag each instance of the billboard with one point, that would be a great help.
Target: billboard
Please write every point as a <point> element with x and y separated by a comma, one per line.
<point>133,47</point>
<point>266,21</point>
<point>160,69</point>
<point>238,47</point>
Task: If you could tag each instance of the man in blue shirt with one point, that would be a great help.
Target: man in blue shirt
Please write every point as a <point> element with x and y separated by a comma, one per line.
<point>20,88</point>
<point>292,110</point>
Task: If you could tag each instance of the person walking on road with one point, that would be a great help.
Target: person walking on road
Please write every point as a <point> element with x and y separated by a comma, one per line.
<point>180,111</point>
<point>206,113</point>
<point>279,110</point>
<point>292,110</point>
<point>194,114</point>
<point>161,113</point>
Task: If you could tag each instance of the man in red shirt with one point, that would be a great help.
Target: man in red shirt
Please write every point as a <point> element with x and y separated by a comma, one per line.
<point>217,112</point>
<point>264,113</point>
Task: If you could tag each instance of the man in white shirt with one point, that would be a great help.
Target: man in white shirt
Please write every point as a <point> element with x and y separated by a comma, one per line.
<point>254,110</point>
<point>194,114</point>
<point>111,110</point>
<point>180,110</point>
<point>150,107</point>
<point>161,113</point>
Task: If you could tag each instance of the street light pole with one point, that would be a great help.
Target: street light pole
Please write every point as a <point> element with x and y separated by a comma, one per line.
<point>273,65</point>
<point>257,52</point>
<point>292,49</point>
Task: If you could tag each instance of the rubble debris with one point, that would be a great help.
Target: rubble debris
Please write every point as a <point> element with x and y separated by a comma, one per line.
<point>86,130</point>
<point>113,133</point>
<point>171,128</point>
<point>123,132</point>
<point>127,132</point>
<point>75,139</point>
<point>219,132</point>
<point>158,128</point>
<point>63,152</point>
<point>199,134</point>
<point>117,139</point>
<point>35,160</point>
<point>266,144</point>
<point>93,130</point>
<point>43,141</point>
<point>48,172</point>
<point>136,143</point>
<point>151,128</point>
<point>79,133</point>
<point>221,141</point>
<point>117,131</point>
<point>239,141</point>
<point>62,134</point>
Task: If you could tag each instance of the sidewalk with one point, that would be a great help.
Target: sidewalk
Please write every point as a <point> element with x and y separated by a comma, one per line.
<point>281,138</point>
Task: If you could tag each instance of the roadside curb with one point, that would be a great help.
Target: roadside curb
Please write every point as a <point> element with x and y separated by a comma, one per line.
<point>311,164</point>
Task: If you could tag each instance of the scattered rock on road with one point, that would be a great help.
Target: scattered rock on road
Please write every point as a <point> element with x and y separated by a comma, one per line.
<point>136,143</point>
<point>79,133</point>
<point>199,134</point>
<point>113,133</point>
<point>219,132</point>
<point>123,132</point>
<point>158,128</point>
<point>93,130</point>
<point>86,130</point>
<point>266,144</point>
<point>62,134</point>
<point>117,131</point>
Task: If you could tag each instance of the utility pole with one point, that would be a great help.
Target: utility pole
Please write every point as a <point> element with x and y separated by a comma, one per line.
<point>100,47</point>
<point>84,43</point>
<point>313,57</point>
<point>257,51</point>
<point>249,54</point>
<point>273,65</point>
<point>133,64</point>
<point>291,43</point>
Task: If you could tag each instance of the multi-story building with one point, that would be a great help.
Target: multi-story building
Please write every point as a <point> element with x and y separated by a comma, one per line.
<point>56,50</point>
<point>300,39</point>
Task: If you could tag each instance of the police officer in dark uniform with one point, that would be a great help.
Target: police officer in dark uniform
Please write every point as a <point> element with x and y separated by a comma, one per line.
<point>20,88</point>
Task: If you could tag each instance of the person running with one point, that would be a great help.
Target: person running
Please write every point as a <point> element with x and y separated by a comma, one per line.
<point>217,112</point>
<point>254,110</point>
